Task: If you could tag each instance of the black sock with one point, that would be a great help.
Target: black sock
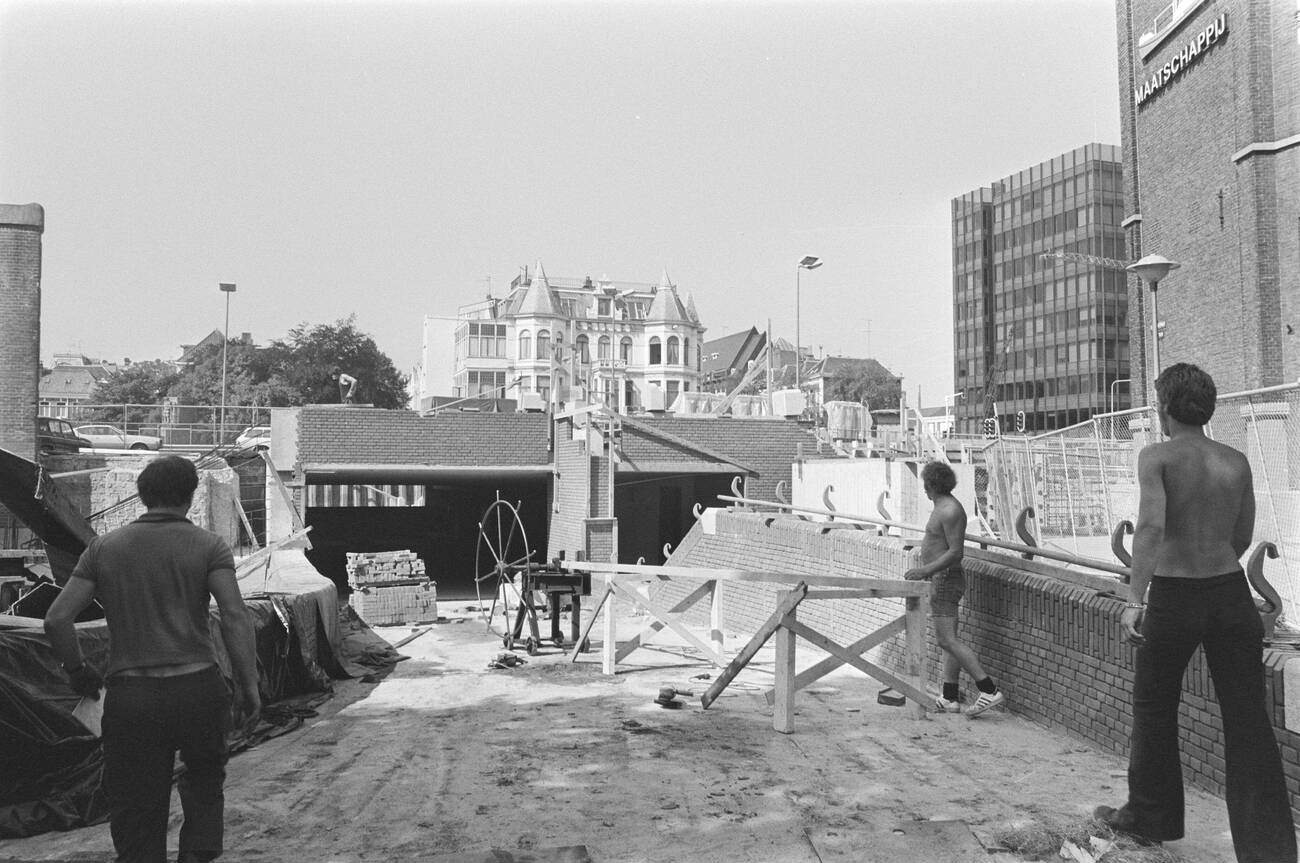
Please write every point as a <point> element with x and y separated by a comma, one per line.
<point>986,685</point>
<point>950,692</point>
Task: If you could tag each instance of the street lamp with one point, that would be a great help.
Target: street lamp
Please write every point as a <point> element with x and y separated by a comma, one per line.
<point>226,288</point>
<point>809,262</point>
<point>1151,269</point>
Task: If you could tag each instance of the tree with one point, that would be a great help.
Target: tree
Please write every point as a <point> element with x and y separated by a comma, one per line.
<point>143,383</point>
<point>866,382</point>
<point>304,361</point>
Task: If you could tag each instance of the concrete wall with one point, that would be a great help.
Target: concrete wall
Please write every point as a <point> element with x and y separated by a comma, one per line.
<point>856,485</point>
<point>1049,637</point>
<point>21,227</point>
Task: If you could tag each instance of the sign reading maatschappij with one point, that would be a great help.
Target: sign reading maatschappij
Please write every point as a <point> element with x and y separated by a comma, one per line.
<point>1182,59</point>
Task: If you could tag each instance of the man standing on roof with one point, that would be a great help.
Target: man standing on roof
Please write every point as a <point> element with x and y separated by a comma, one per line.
<point>941,552</point>
<point>165,690</point>
<point>1196,518</point>
<point>347,387</point>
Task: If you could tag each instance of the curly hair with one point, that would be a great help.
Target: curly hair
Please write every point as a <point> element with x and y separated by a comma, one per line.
<point>168,481</point>
<point>1187,393</point>
<point>940,476</point>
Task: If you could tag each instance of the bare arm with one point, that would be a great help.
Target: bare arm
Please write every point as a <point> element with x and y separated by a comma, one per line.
<point>60,620</point>
<point>1244,530</point>
<point>237,632</point>
<point>1147,539</point>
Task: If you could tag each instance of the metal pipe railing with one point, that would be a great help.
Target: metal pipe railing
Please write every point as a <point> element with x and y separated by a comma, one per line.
<point>982,541</point>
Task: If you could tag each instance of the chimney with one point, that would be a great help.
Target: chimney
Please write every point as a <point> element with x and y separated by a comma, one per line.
<point>21,226</point>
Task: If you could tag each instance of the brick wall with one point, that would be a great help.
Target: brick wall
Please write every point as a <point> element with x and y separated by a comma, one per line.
<point>21,227</point>
<point>1052,644</point>
<point>571,489</point>
<point>1233,224</point>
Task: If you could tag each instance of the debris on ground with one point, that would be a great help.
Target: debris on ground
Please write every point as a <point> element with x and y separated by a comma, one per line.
<point>1086,842</point>
<point>505,660</point>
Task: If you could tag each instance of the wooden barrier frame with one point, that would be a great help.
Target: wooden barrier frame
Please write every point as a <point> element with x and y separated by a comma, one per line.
<point>783,623</point>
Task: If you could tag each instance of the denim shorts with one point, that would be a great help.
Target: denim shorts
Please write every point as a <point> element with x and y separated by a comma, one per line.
<point>946,590</point>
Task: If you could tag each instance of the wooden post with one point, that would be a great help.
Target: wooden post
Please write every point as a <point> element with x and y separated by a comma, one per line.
<point>915,639</point>
<point>609,648</point>
<point>783,713</point>
<point>715,617</point>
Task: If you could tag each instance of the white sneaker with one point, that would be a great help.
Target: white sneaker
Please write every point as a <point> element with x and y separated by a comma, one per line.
<point>943,705</point>
<point>986,701</point>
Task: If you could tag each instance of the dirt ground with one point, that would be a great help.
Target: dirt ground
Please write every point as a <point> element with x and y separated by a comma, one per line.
<point>444,759</point>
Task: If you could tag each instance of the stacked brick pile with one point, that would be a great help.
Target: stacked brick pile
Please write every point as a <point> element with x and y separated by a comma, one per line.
<point>391,587</point>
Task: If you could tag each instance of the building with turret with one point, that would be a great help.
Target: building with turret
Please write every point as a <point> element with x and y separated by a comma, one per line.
<point>567,341</point>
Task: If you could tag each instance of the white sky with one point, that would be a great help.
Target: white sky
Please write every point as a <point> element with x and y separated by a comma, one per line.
<point>388,158</point>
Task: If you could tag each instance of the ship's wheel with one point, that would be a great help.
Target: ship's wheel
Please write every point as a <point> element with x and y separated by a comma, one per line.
<point>502,553</point>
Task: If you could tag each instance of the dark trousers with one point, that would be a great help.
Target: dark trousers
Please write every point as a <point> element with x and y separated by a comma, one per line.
<point>1219,614</point>
<point>147,720</point>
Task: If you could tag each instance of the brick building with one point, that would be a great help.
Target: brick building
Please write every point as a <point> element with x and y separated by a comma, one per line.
<point>1046,337</point>
<point>1210,104</point>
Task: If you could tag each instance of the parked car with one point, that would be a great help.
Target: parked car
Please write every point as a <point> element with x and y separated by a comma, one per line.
<point>255,437</point>
<point>103,436</point>
<point>54,435</point>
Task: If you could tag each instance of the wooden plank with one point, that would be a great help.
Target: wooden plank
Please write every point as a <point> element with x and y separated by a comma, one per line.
<point>830,663</point>
<point>715,616</point>
<point>591,622</point>
<point>608,662</point>
<point>914,661</point>
<point>874,592</point>
<point>868,668</point>
<point>783,714</point>
<point>668,619</point>
<point>905,588</point>
<point>643,637</point>
<point>791,601</point>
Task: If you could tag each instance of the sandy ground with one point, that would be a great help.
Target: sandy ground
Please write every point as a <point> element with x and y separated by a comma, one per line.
<point>444,755</point>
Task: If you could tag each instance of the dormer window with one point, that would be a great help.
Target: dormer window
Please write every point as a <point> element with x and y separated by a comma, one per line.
<point>603,307</point>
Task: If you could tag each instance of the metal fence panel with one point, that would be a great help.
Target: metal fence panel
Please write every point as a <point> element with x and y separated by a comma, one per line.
<point>1081,481</point>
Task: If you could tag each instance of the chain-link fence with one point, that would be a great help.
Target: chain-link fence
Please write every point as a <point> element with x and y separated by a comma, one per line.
<point>1082,481</point>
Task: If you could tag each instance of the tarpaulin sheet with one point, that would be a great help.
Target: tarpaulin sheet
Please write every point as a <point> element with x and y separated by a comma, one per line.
<point>50,763</point>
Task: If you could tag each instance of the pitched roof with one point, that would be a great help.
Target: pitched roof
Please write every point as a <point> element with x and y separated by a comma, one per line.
<point>830,367</point>
<point>330,434</point>
<point>733,352</point>
<point>666,306</point>
<point>538,298</point>
<point>767,447</point>
<point>690,309</point>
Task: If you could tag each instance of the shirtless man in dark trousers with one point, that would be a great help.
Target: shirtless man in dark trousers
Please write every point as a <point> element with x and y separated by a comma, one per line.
<point>1196,517</point>
<point>941,553</point>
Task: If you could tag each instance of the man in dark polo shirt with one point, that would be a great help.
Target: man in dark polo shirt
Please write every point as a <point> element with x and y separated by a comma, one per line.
<point>165,694</point>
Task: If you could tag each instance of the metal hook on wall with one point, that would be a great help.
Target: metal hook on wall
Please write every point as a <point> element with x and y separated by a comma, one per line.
<point>1124,528</point>
<point>884,513</point>
<point>1270,607</point>
<point>1022,530</point>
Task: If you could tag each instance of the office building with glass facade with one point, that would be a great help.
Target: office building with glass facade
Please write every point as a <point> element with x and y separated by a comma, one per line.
<point>1041,342</point>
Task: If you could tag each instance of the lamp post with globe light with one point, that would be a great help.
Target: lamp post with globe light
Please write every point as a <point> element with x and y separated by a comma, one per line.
<point>808,262</point>
<point>1151,269</point>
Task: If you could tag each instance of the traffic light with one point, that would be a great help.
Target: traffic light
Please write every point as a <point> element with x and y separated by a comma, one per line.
<point>990,427</point>
<point>1020,422</point>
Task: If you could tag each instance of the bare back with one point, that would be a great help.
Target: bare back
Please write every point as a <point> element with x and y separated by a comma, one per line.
<point>1205,491</point>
